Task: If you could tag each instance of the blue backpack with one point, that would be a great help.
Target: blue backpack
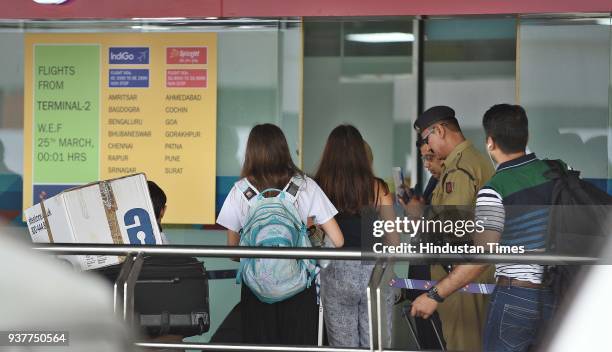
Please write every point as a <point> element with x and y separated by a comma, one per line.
<point>274,222</point>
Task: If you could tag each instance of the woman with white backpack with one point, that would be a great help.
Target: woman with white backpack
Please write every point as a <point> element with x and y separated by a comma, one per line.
<point>269,206</point>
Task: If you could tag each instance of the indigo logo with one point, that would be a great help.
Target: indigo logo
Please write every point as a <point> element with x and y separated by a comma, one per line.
<point>129,56</point>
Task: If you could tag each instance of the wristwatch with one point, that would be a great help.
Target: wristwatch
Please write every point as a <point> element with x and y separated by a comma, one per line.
<point>433,294</point>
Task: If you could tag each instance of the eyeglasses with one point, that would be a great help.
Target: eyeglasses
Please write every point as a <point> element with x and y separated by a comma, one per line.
<point>431,130</point>
<point>426,138</point>
<point>428,158</point>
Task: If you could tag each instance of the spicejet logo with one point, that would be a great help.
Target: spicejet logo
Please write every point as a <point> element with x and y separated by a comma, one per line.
<point>134,56</point>
<point>186,55</point>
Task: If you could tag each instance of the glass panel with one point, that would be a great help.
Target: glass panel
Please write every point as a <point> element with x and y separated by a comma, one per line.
<point>470,66</point>
<point>263,86</point>
<point>360,71</point>
<point>564,86</point>
<point>610,112</point>
<point>11,126</point>
<point>259,66</point>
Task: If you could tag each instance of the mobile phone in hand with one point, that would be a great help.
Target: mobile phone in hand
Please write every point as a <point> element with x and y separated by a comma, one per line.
<point>405,195</point>
<point>401,190</point>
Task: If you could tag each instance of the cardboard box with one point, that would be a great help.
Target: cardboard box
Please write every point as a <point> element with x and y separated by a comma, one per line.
<point>113,211</point>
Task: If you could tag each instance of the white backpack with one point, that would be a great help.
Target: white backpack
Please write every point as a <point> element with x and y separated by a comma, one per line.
<point>274,222</point>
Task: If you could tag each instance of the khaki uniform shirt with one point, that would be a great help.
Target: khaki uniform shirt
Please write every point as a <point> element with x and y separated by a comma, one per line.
<point>464,172</point>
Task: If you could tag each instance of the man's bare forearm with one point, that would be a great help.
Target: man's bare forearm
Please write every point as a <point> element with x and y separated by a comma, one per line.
<point>465,273</point>
<point>460,276</point>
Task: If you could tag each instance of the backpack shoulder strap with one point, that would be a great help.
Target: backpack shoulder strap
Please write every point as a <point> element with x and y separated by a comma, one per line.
<point>554,164</point>
<point>293,187</point>
<point>558,169</point>
<point>247,189</point>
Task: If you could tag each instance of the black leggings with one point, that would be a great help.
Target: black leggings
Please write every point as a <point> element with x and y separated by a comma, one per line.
<point>293,321</point>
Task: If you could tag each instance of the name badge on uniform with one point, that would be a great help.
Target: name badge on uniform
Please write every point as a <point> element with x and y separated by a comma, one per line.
<point>449,187</point>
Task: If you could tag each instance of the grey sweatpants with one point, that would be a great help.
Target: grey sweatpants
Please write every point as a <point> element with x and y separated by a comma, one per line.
<point>344,286</point>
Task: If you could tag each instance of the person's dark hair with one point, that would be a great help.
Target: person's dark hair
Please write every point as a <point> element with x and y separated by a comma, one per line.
<point>419,141</point>
<point>345,173</point>
<point>158,198</point>
<point>507,125</point>
<point>452,125</point>
<point>268,163</point>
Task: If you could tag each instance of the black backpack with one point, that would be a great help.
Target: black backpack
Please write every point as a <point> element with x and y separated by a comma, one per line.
<point>579,223</point>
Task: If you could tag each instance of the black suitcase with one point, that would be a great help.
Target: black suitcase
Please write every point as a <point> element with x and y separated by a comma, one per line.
<point>406,315</point>
<point>170,296</point>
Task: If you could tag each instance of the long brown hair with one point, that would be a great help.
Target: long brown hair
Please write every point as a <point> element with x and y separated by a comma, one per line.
<point>345,173</point>
<point>268,163</point>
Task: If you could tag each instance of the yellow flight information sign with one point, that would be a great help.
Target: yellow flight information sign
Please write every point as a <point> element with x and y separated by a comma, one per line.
<point>105,105</point>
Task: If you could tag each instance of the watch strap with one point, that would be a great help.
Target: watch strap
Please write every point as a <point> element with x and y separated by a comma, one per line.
<point>433,294</point>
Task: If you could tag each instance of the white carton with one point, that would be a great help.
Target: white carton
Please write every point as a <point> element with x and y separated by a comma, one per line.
<point>114,211</point>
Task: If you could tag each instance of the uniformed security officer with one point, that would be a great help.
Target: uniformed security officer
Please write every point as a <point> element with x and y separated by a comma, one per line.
<point>464,172</point>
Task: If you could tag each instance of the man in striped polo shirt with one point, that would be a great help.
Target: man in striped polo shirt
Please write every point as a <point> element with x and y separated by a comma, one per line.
<point>513,207</point>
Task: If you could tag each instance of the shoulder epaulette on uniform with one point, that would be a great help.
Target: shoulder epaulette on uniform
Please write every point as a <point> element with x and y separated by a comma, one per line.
<point>472,178</point>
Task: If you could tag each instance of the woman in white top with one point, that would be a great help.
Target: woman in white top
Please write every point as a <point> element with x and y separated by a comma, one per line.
<point>268,164</point>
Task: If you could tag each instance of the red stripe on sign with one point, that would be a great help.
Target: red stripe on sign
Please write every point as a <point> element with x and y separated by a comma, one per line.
<point>193,78</point>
